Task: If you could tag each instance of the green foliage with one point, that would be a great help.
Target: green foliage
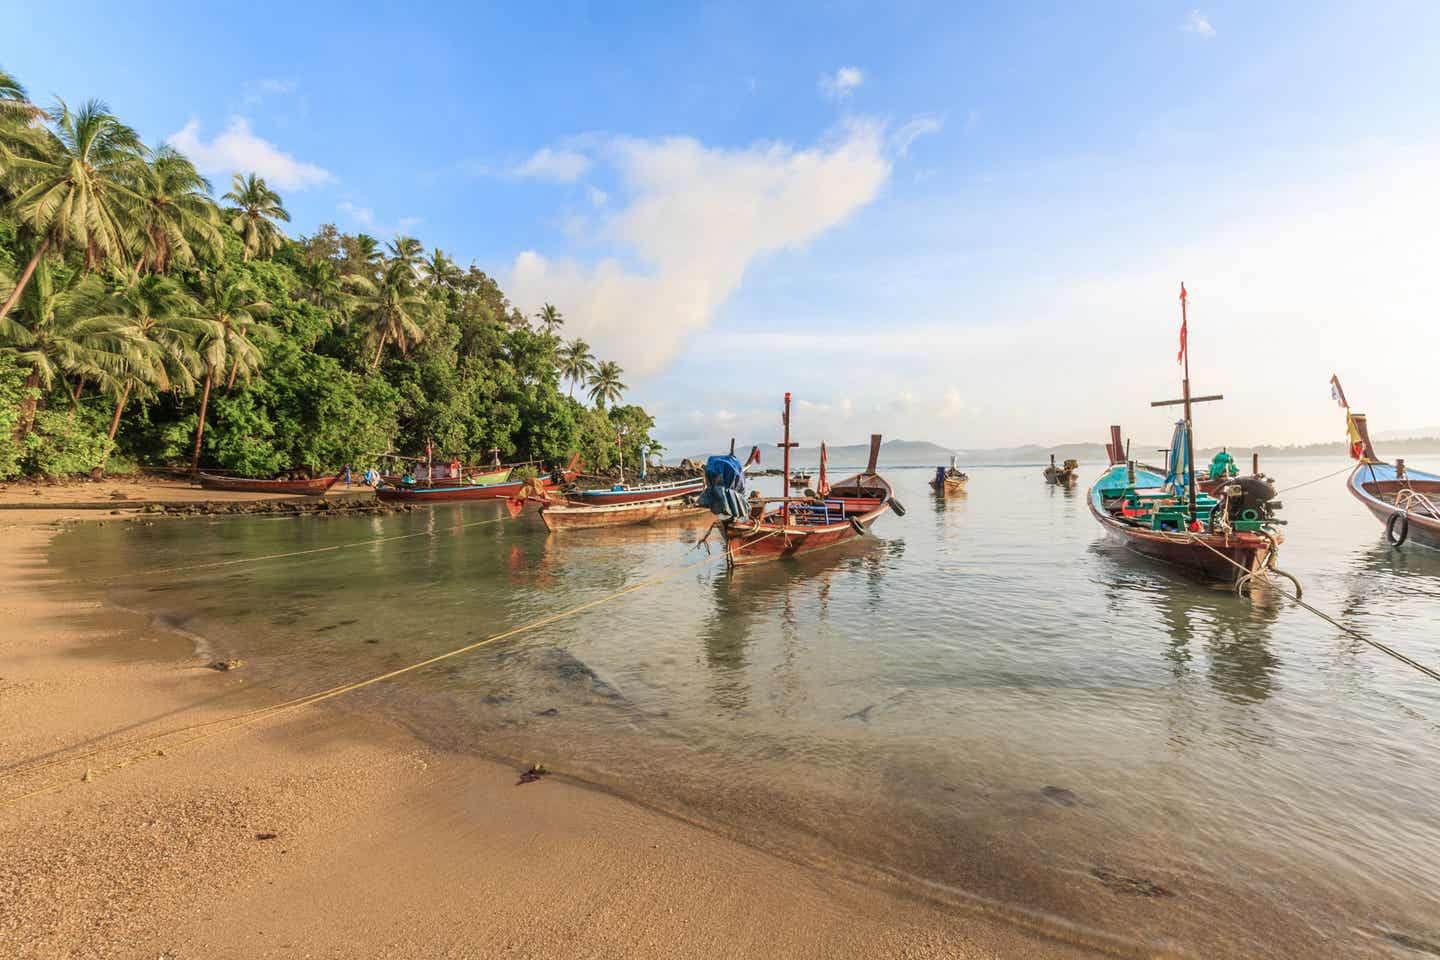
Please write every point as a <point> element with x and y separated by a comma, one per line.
<point>12,389</point>
<point>61,444</point>
<point>317,352</point>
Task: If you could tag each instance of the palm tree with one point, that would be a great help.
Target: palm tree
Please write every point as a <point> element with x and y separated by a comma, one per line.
<point>408,252</point>
<point>550,318</point>
<point>324,285</point>
<point>605,385</point>
<point>391,310</point>
<point>178,218</point>
<point>72,188</point>
<point>362,254</point>
<point>15,105</point>
<point>256,209</point>
<point>231,305</point>
<point>57,338</point>
<point>162,329</point>
<point>576,362</point>
<point>441,271</point>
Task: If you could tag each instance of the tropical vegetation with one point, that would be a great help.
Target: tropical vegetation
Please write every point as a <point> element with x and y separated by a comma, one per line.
<point>144,321</point>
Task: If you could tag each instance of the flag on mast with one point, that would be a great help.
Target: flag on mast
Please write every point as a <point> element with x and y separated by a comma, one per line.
<point>1336,393</point>
<point>1184,322</point>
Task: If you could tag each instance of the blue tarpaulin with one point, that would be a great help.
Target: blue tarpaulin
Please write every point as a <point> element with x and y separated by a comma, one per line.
<point>724,491</point>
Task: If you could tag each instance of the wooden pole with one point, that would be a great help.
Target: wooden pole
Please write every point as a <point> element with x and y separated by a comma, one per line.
<point>1189,424</point>
<point>785,481</point>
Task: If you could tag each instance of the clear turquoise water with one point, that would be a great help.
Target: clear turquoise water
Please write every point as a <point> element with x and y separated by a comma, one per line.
<point>984,699</point>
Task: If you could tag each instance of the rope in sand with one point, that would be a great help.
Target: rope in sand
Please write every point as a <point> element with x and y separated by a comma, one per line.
<point>221,725</point>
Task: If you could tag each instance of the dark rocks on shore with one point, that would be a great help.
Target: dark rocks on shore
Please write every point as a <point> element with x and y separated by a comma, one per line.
<point>354,506</point>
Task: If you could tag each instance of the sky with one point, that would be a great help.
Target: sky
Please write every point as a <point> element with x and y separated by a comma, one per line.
<point>964,223</point>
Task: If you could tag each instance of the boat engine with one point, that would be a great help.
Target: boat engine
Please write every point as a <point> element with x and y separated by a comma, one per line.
<point>1251,498</point>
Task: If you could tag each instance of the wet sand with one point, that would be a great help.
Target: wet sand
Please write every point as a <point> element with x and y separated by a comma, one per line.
<point>321,833</point>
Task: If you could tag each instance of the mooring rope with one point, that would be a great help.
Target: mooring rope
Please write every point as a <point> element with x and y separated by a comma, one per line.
<point>1345,469</point>
<point>224,724</point>
<point>1349,631</point>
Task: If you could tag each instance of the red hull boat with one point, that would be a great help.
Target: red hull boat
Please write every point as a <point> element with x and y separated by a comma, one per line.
<point>800,526</point>
<point>311,488</point>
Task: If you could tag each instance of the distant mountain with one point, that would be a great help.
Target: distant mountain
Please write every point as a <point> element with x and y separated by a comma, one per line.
<point>1416,432</point>
<point>923,453</point>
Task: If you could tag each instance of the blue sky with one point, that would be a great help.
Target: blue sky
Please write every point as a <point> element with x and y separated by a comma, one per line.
<point>964,223</point>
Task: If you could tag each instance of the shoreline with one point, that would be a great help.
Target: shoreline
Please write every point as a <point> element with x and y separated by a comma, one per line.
<point>325,833</point>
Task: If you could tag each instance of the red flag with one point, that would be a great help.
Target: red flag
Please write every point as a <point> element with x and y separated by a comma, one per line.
<point>1184,322</point>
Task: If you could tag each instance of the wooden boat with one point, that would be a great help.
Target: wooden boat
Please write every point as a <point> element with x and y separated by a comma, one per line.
<point>642,493</point>
<point>948,482</point>
<point>800,478</point>
<point>562,515</point>
<point>455,492</point>
<point>798,526</point>
<point>1063,475</point>
<point>1405,501</point>
<point>311,488</point>
<point>479,479</point>
<point>1161,514</point>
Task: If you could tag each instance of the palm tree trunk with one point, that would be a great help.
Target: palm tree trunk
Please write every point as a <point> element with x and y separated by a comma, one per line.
<point>119,406</point>
<point>28,402</point>
<point>200,424</point>
<point>115,423</point>
<point>79,388</point>
<point>14,297</point>
<point>234,368</point>
<point>378,349</point>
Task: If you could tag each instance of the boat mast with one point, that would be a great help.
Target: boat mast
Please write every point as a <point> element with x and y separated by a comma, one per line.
<point>1186,399</point>
<point>785,481</point>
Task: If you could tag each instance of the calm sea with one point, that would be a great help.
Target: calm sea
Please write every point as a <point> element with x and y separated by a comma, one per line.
<point>984,699</point>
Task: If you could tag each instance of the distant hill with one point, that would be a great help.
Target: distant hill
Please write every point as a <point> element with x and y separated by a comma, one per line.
<point>923,453</point>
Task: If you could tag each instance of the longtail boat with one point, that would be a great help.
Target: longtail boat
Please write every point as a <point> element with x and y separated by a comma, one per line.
<point>1064,475</point>
<point>771,528</point>
<point>316,487</point>
<point>1161,514</point>
<point>562,515</point>
<point>1405,501</point>
<point>642,493</point>
<point>448,492</point>
<point>948,482</point>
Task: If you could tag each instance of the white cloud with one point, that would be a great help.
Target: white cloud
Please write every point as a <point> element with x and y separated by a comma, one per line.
<point>258,90</point>
<point>695,219</point>
<point>561,165</point>
<point>840,84</point>
<point>239,150</point>
<point>365,218</point>
<point>912,131</point>
<point>598,197</point>
<point>1198,23</point>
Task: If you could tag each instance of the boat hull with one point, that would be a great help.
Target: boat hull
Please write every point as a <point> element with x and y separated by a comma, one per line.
<point>309,488</point>
<point>1211,557</point>
<point>1368,482</point>
<point>460,492</point>
<point>602,498</point>
<point>948,487</point>
<point>566,516</point>
<point>752,541</point>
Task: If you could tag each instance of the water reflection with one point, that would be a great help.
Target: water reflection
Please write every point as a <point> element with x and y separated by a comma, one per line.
<point>1232,633</point>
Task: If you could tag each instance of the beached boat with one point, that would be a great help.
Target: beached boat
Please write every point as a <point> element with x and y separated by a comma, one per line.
<point>949,481</point>
<point>1160,513</point>
<point>1063,475</point>
<point>762,529</point>
<point>452,492</point>
<point>640,493</point>
<point>1405,501</point>
<point>311,488</point>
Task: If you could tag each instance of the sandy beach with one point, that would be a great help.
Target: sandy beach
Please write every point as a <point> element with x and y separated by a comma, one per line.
<point>320,833</point>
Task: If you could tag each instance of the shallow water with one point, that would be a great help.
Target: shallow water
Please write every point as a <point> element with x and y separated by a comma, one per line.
<point>985,698</point>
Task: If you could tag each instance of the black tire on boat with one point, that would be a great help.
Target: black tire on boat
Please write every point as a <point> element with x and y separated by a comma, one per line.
<point>898,507</point>
<point>1404,534</point>
<point>859,527</point>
